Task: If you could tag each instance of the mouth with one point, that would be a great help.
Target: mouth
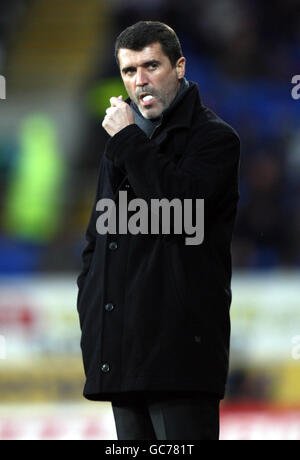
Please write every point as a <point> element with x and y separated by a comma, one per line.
<point>146,99</point>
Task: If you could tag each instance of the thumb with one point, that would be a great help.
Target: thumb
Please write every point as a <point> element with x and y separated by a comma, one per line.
<point>120,97</point>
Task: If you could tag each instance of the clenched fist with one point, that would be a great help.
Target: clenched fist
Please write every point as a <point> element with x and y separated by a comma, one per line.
<point>118,116</point>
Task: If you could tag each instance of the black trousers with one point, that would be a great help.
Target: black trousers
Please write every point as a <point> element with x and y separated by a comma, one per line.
<point>167,416</point>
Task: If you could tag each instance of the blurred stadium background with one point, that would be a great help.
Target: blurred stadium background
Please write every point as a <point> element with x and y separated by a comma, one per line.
<point>57,59</point>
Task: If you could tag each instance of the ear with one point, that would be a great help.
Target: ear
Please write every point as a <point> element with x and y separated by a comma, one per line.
<point>180,67</point>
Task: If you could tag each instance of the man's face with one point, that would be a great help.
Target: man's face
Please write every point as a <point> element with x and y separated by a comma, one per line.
<point>150,80</point>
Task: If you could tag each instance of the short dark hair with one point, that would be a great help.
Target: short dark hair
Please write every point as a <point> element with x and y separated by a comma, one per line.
<point>144,33</point>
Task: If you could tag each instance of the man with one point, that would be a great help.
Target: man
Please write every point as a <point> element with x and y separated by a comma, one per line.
<point>154,311</point>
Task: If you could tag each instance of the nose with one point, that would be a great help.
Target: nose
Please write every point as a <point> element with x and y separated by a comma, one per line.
<point>141,78</point>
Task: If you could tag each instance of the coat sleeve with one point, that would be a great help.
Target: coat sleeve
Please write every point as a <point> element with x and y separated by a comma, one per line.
<point>204,172</point>
<point>90,242</point>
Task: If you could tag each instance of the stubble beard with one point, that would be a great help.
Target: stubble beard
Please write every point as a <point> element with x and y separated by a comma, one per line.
<point>165,101</point>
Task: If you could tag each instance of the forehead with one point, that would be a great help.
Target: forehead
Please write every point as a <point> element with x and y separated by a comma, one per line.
<point>134,58</point>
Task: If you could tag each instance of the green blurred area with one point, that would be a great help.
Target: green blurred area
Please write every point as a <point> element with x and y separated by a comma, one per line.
<point>32,208</point>
<point>98,96</point>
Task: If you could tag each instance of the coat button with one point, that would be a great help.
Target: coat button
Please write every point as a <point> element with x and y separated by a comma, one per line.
<point>109,307</point>
<point>113,245</point>
<point>105,367</point>
<point>127,185</point>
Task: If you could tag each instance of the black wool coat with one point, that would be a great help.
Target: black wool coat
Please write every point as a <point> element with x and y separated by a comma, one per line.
<point>154,311</point>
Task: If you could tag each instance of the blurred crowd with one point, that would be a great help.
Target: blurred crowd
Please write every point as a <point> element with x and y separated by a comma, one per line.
<point>243,55</point>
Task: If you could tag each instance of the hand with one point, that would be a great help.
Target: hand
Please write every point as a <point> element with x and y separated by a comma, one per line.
<point>118,116</point>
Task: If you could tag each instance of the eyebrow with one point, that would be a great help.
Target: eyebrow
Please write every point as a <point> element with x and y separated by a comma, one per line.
<point>144,64</point>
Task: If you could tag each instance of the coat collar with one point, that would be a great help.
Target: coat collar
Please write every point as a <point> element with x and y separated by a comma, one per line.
<point>181,116</point>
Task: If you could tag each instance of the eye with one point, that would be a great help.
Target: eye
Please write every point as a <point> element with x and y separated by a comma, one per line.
<point>129,71</point>
<point>152,66</point>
